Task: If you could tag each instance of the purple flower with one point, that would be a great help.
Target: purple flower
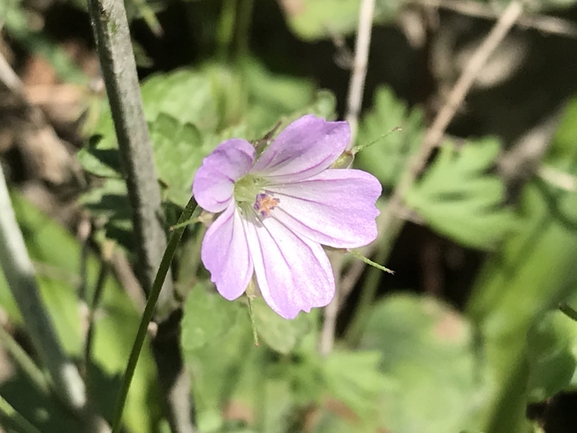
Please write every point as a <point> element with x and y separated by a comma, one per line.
<point>279,208</point>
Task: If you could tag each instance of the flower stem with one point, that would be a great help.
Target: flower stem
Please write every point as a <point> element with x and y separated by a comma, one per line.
<point>191,211</point>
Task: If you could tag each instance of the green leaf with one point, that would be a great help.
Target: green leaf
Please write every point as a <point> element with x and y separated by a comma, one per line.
<point>216,342</point>
<point>354,379</point>
<point>207,318</point>
<point>186,95</point>
<point>459,198</point>
<point>280,334</point>
<point>427,357</point>
<point>179,153</point>
<point>387,157</point>
<point>552,352</point>
<point>103,162</point>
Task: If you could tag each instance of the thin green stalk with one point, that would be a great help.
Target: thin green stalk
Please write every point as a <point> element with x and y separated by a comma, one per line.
<point>18,420</point>
<point>105,265</point>
<point>371,285</point>
<point>244,18</point>
<point>28,367</point>
<point>191,211</point>
<point>226,28</point>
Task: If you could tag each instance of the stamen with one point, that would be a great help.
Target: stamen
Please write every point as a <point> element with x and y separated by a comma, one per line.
<point>265,203</point>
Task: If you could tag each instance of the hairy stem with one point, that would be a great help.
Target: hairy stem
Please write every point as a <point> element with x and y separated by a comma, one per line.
<point>114,48</point>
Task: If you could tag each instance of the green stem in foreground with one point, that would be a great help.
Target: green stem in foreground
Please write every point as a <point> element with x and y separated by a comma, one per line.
<point>18,420</point>
<point>191,211</point>
<point>28,367</point>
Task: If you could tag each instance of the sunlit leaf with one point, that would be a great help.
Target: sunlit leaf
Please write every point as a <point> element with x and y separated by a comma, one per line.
<point>459,198</point>
<point>355,380</point>
<point>180,152</point>
<point>57,254</point>
<point>207,318</point>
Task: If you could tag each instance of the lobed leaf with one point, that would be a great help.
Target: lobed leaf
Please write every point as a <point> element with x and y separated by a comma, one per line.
<point>460,198</point>
<point>552,355</point>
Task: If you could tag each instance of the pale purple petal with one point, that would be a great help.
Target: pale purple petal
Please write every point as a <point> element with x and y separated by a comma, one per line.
<point>225,254</point>
<point>293,273</point>
<point>334,208</point>
<point>306,147</point>
<point>214,181</point>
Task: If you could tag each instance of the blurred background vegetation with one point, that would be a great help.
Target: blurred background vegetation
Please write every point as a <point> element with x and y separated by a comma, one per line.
<point>465,337</point>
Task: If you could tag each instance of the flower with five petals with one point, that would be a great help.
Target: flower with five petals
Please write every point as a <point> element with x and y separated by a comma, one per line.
<point>279,208</point>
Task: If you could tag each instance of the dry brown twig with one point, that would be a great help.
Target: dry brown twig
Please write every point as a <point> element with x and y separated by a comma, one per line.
<point>391,220</point>
<point>354,102</point>
<point>456,97</point>
<point>359,67</point>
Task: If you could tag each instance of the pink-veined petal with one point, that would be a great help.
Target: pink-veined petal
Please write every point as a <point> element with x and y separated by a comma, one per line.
<point>225,254</point>
<point>334,208</point>
<point>306,147</point>
<point>214,181</point>
<point>293,273</point>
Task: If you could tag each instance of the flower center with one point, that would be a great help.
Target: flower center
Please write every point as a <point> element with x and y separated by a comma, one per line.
<point>250,190</point>
<point>265,203</point>
<point>247,188</point>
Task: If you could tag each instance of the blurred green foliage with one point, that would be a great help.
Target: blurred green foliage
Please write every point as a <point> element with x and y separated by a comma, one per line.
<point>420,366</point>
<point>56,254</point>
